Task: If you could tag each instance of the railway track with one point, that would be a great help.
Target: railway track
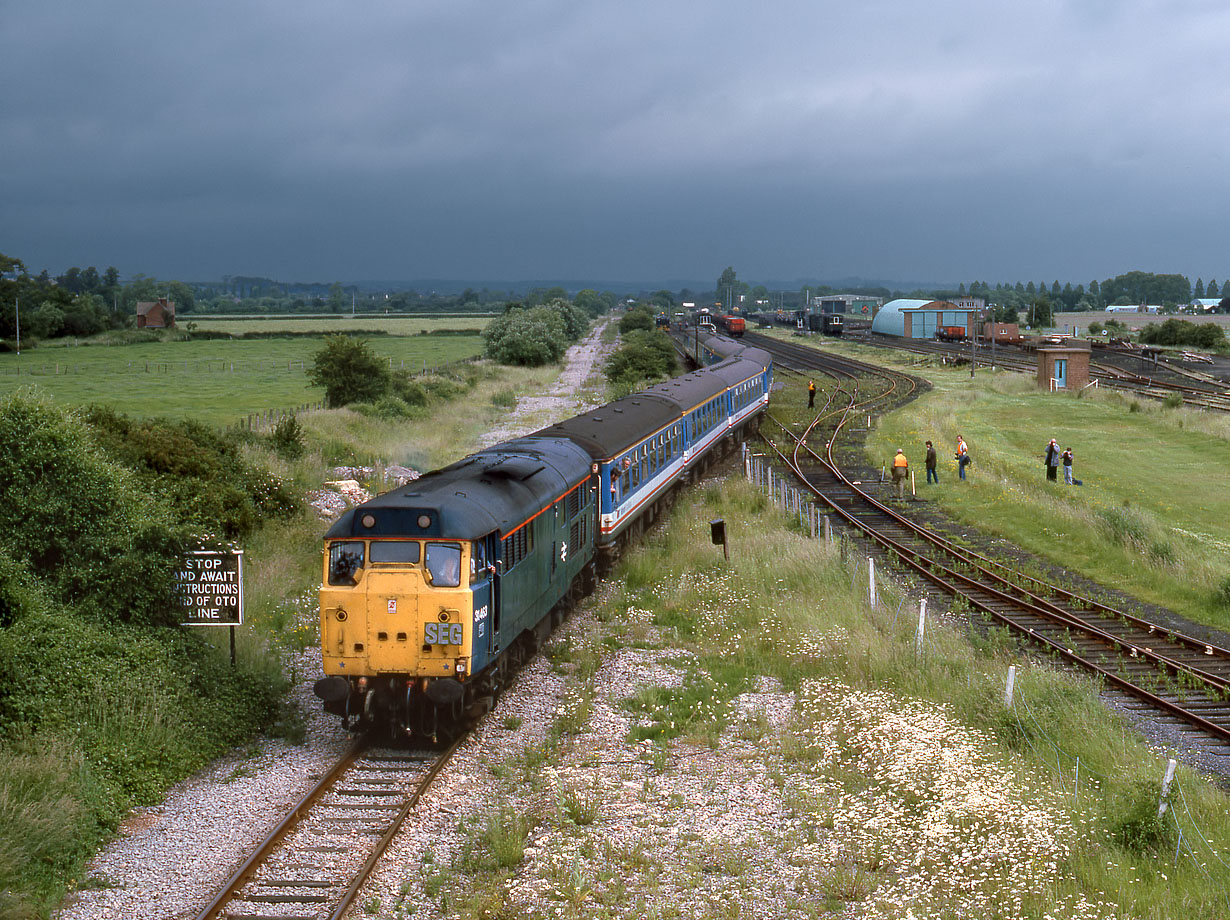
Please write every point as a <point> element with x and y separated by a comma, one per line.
<point>317,858</point>
<point>1184,681</point>
<point>1200,391</point>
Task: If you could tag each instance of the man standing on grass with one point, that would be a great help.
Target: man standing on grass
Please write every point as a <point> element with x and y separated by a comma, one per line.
<point>962,457</point>
<point>811,394</point>
<point>901,469</point>
<point>1052,461</point>
<point>932,475</point>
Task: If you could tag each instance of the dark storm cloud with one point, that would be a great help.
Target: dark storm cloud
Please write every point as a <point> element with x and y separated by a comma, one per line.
<point>634,140</point>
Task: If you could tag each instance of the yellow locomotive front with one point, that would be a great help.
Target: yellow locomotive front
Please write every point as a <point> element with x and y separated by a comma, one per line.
<point>397,626</point>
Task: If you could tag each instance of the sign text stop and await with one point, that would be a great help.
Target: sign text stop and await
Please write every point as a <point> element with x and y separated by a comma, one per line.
<point>211,588</point>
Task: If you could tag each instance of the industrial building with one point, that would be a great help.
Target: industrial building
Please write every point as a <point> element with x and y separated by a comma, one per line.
<point>923,319</point>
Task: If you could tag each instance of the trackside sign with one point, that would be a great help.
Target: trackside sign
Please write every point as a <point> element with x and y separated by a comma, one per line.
<point>211,588</point>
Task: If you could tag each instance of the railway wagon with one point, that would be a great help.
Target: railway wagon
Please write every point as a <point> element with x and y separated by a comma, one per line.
<point>432,593</point>
<point>733,326</point>
<point>951,333</point>
<point>827,323</point>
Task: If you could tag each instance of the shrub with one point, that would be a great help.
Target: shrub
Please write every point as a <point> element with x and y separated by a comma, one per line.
<point>638,318</point>
<point>349,372</point>
<point>1223,592</point>
<point>536,336</point>
<point>1135,826</point>
<point>643,357</point>
<point>198,470</point>
<point>287,438</point>
<point>76,520</point>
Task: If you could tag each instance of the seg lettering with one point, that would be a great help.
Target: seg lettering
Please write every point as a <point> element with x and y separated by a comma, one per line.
<point>442,634</point>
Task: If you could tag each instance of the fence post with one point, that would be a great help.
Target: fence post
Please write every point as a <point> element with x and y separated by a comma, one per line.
<point>1010,686</point>
<point>922,625</point>
<point>871,579</point>
<point>1164,800</point>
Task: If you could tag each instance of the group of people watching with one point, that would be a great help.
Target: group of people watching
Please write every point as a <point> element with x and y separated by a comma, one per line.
<point>901,465</point>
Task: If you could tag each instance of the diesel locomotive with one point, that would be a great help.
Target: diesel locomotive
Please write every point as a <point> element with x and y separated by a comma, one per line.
<point>434,593</point>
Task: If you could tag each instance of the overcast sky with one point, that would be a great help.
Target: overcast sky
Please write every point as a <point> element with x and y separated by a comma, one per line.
<point>627,140</point>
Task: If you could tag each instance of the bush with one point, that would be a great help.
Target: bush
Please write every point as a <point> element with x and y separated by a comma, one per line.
<point>288,439</point>
<point>95,719</point>
<point>536,336</point>
<point>638,318</point>
<point>349,372</point>
<point>200,472</point>
<point>643,357</point>
<point>77,521</point>
<point>1136,827</point>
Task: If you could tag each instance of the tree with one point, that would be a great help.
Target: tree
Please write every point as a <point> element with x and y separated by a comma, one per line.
<point>349,372</point>
<point>1211,291</point>
<point>727,285</point>
<point>528,337</point>
<point>1198,293</point>
<point>337,297</point>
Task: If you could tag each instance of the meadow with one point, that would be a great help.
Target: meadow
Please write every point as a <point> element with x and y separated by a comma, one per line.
<point>215,381</point>
<point>1150,516</point>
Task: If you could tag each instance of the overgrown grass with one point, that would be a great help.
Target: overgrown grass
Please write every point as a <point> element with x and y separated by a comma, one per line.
<point>907,759</point>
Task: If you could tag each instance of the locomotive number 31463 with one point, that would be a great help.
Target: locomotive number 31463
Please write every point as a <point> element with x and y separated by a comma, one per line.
<point>442,634</point>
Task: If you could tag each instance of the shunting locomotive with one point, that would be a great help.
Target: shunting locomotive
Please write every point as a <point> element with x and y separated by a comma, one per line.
<point>432,594</point>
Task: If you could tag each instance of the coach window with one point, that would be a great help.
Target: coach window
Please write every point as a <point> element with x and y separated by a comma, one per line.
<point>394,552</point>
<point>444,564</point>
<point>345,563</point>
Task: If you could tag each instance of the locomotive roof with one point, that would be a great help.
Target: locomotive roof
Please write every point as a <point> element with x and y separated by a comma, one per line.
<point>497,488</point>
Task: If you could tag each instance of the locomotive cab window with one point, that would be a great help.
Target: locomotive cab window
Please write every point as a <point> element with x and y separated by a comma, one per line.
<point>394,552</point>
<point>345,562</point>
<point>444,564</point>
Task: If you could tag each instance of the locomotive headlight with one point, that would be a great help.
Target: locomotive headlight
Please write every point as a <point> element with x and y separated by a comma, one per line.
<point>461,666</point>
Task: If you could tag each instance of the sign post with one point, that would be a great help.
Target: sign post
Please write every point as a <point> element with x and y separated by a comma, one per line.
<point>211,590</point>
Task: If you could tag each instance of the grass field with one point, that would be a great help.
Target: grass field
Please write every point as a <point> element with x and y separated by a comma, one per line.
<point>1151,516</point>
<point>214,381</point>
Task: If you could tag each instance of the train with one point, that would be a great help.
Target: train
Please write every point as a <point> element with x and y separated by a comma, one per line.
<point>433,594</point>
